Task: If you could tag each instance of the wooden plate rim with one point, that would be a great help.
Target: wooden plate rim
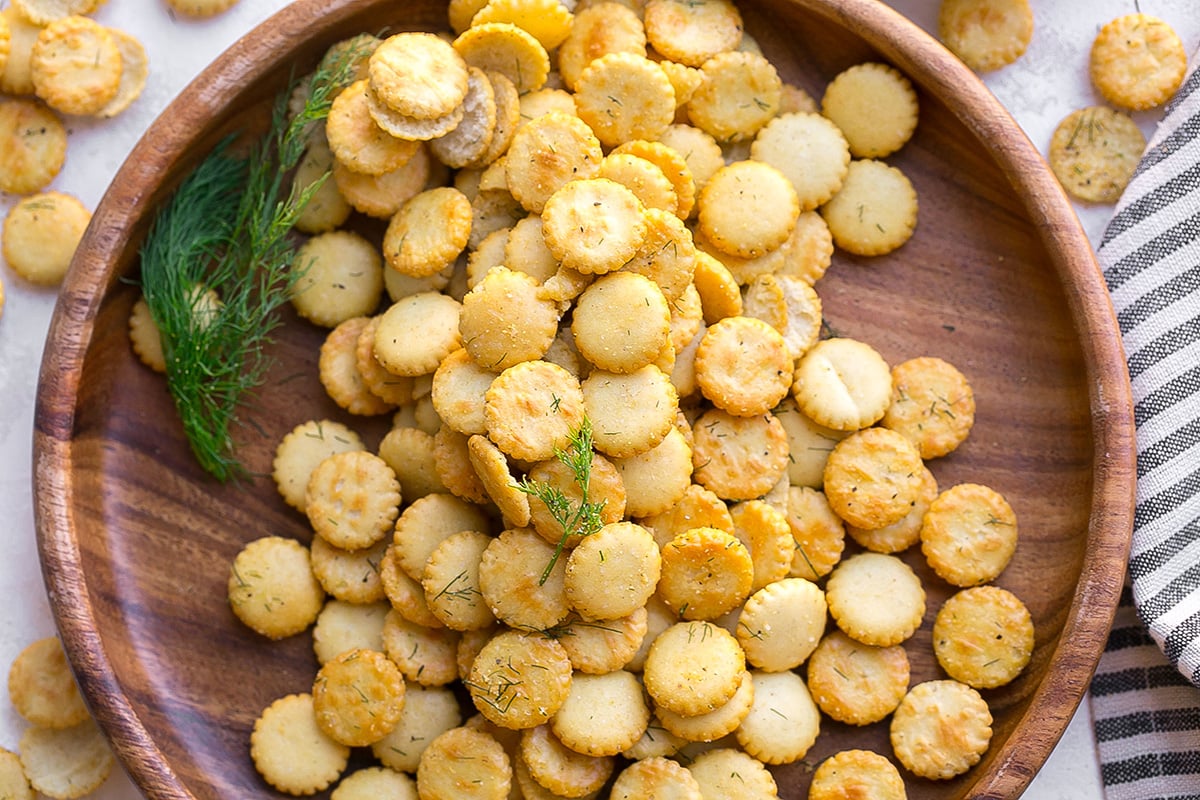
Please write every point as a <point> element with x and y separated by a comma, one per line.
<point>903,43</point>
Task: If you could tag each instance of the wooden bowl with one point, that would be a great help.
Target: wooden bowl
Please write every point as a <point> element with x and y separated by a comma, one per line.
<point>999,279</point>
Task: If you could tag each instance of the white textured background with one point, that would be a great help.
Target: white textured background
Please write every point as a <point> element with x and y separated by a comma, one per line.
<point>1041,88</point>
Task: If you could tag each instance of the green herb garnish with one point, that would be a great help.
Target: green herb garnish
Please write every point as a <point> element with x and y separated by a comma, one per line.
<point>576,520</point>
<point>226,230</point>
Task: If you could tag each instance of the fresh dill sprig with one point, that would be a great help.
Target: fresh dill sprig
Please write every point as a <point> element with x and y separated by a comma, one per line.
<point>576,520</point>
<point>226,230</point>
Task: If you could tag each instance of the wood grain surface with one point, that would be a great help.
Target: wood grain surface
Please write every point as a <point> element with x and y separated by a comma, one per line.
<point>136,541</point>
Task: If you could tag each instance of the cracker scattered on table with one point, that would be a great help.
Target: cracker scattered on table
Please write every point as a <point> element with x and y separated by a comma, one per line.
<point>42,687</point>
<point>33,145</point>
<point>135,70</point>
<point>201,8</point>
<point>986,34</point>
<point>76,65</point>
<point>1137,61</point>
<point>41,234</point>
<point>1094,152</point>
<point>66,763</point>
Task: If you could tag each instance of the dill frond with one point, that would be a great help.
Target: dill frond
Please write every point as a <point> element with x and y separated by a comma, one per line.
<point>580,520</point>
<point>227,230</point>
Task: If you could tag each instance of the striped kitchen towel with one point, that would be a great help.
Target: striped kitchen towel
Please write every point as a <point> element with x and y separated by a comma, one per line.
<point>1145,700</point>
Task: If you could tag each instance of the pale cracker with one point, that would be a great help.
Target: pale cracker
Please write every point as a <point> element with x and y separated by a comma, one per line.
<point>654,777</point>
<point>291,752</point>
<point>693,32</point>
<point>66,763</point>
<point>560,769</point>
<point>135,70</point>
<point>747,208</point>
<point>657,479</point>
<point>417,332</point>
<point>344,626</point>
<point>630,413</point>
<point>780,624</point>
<point>428,712</point>
<point>341,278</point>
<point>875,107</point>
<point>986,34</point>
<point>819,534</point>
<point>875,210</point>
<point>302,448</point>
<point>940,729</point>
<point>621,322</point>
<point>876,599</point>
<point>843,384</point>
<point>810,150</point>
<point>611,573</point>
<point>43,12</point>
<point>602,714</point>
<point>783,722</point>
<point>418,75</point>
